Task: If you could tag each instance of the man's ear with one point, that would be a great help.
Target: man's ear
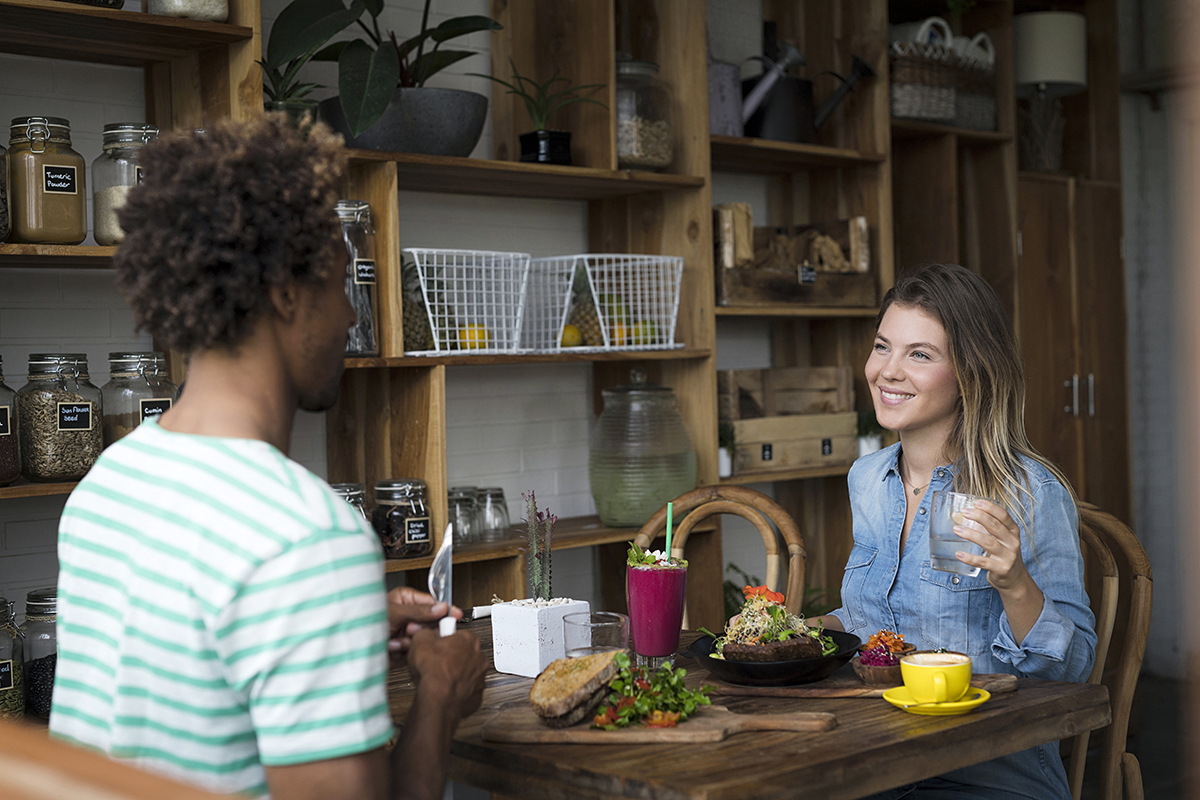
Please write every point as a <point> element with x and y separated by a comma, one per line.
<point>285,300</point>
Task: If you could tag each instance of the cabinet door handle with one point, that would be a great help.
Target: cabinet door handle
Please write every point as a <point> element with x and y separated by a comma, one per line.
<point>1073,385</point>
<point>1091,394</point>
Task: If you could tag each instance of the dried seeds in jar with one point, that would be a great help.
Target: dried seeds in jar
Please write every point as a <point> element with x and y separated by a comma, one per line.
<point>114,172</point>
<point>10,451</point>
<point>12,672</point>
<point>58,418</point>
<point>401,518</point>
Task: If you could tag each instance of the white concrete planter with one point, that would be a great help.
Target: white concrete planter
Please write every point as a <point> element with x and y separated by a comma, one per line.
<point>528,634</point>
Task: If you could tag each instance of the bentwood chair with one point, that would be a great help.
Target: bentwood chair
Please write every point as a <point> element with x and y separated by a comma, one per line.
<point>707,501</point>
<point>1123,607</point>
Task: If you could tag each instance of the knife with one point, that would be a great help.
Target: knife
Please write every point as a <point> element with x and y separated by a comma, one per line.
<point>441,580</point>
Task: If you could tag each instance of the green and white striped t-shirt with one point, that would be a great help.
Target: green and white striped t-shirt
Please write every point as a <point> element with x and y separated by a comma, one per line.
<point>219,609</point>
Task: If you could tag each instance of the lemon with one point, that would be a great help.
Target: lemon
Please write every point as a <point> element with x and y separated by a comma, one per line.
<point>645,332</point>
<point>571,336</point>
<point>473,337</point>
<point>618,335</point>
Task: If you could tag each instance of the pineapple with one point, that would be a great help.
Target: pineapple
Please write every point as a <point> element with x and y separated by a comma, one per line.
<point>417,335</point>
<point>583,310</point>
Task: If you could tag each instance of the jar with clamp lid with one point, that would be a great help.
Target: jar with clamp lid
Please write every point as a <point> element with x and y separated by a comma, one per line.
<point>114,172</point>
<point>12,667</point>
<point>48,201</point>
<point>355,495</point>
<point>355,216</point>
<point>401,518</point>
<point>3,193</point>
<point>137,389</point>
<point>10,449</point>
<point>58,418</point>
<point>644,133</point>
<point>40,649</point>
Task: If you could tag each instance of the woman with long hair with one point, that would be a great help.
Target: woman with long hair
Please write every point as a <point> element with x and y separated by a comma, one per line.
<point>946,374</point>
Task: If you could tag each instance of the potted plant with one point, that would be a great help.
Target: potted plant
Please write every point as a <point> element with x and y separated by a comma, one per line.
<point>870,432</point>
<point>541,144</point>
<point>528,634</point>
<point>383,103</point>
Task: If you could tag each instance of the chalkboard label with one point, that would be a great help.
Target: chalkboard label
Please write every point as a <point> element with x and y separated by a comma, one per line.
<point>364,271</point>
<point>74,416</point>
<point>6,675</point>
<point>153,406</point>
<point>59,180</point>
<point>827,447</point>
<point>808,275</point>
<point>138,170</point>
<point>767,452</point>
<point>5,427</point>
<point>416,529</point>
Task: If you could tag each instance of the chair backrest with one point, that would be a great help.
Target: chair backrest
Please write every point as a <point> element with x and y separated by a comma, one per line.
<point>1128,644</point>
<point>700,504</point>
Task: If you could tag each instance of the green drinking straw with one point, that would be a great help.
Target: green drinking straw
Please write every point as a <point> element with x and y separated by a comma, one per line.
<point>669,512</point>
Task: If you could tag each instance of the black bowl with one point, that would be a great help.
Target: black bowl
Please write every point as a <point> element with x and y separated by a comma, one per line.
<point>775,673</point>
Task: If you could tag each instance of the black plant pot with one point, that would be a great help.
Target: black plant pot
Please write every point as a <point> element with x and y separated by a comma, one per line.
<point>546,147</point>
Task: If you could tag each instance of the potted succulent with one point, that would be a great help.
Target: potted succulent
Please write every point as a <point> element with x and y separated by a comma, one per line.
<point>541,144</point>
<point>528,634</point>
<point>383,102</point>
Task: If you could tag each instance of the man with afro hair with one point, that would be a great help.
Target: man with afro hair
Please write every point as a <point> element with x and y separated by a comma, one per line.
<point>222,614</point>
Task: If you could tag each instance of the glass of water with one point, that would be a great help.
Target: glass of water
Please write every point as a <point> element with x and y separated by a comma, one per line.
<point>586,633</point>
<point>943,541</point>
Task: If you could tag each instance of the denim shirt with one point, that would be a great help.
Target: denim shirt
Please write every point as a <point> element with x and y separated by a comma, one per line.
<point>885,589</point>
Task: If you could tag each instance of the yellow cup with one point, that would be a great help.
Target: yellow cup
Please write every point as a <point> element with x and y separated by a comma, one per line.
<point>936,677</point>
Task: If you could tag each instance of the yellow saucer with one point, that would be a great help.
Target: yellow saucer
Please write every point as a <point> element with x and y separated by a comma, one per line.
<point>900,696</point>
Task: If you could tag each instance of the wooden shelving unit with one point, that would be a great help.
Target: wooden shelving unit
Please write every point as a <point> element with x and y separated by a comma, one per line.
<point>780,311</point>
<point>23,488</point>
<point>808,473</point>
<point>464,360</point>
<point>740,154</point>
<point>916,129</point>
<point>55,255</point>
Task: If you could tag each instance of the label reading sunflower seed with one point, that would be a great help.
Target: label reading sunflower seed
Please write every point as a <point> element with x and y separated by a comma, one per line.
<point>6,675</point>
<point>364,271</point>
<point>74,416</point>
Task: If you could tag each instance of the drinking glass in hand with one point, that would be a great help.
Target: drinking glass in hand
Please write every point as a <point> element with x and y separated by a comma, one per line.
<point>943,541</point>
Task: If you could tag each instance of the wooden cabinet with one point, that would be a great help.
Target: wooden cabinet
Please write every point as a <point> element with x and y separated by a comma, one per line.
<point>1072,319</point>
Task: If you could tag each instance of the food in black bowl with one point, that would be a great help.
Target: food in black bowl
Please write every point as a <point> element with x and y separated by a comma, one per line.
<point>775,673</point>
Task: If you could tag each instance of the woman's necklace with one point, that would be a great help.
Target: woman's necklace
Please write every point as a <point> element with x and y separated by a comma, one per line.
<point>916,490</point>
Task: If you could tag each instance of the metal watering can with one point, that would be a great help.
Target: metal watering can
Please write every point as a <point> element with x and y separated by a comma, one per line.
<point>780,107</point>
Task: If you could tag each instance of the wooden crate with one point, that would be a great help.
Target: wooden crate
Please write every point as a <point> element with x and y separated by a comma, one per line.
<point>753,393</point>
<point>771,444</point>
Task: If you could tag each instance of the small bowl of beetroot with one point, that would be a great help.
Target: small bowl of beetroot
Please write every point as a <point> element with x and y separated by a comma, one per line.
<point>879,666</point>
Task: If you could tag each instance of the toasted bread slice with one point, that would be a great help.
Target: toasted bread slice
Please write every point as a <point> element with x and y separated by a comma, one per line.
<point>585,710</point>
<point>567,682</point>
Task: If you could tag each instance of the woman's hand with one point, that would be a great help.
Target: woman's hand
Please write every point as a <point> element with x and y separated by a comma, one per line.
<point>988,525</point>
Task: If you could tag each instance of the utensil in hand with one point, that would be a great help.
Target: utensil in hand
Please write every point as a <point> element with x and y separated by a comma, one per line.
<point>441,580</point>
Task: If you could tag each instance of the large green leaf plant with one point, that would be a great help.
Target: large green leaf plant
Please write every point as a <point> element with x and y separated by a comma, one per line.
<point>369,69</point>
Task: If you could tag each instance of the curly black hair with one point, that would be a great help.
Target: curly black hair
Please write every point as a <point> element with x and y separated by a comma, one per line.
<point>222,215</point>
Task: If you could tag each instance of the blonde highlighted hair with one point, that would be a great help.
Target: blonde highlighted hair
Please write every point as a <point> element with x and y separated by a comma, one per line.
<point>988,437</point>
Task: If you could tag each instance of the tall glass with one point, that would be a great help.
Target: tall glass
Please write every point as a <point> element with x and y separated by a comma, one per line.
<point>943,541</point>
<point>656,596</point>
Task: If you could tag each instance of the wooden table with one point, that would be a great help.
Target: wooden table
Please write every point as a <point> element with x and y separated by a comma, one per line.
<point>874,746</point>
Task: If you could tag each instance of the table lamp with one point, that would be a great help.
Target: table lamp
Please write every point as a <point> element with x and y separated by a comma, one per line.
<point>1050,49</point>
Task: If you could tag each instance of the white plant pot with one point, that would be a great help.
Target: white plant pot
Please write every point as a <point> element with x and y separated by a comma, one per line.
<point>724,462</point>
<point>869,444</point>
<point>527,637</point>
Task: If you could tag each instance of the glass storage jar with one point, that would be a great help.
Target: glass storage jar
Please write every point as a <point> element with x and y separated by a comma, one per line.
<point>10,449</point>
<point>114,172</point>
<point>3,193</point>
<point>355,216</point>
<point>640,455</point>
<point>644,133</point>
<point>40,649</point>
<point>137,389</point>
<point>493,511</point>
<point>12,667</point>
<point>58,418</point>
<point>354,494</point>
<point>463,505</point>
<point>48,198</point>
<point>401,518</point>
<point>203,10</point>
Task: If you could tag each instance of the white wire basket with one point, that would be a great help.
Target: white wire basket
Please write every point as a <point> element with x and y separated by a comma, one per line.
<point>636,298</point>
<point>475,299</point>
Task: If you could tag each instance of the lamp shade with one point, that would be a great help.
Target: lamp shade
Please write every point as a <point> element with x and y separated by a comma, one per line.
<point>1051,53</point>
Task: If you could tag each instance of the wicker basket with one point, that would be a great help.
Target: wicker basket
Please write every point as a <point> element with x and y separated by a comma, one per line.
<point>975,92</point>
<point>923,82</point>
<point>636,298</point>
<point>475,299</point>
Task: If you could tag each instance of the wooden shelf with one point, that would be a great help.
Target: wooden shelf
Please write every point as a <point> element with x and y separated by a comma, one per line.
<point>915,129</point>
<point>56,255</point>
<point>54,29</point>
<point>569,533</point>
<point>793,311</point>
<point>480,176</point>
<point>23,488</point>
<point>789,475</point>
<point>459,359</point>
<point>743,154</point>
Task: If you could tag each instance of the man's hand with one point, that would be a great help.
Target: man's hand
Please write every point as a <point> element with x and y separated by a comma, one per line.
<point>409,611</point>
<point>451,668</point>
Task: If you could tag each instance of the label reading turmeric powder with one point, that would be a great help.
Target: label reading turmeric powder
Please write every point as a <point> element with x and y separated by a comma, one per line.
<point>59,180</point>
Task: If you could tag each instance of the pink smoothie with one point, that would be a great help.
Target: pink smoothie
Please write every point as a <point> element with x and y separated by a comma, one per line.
<point>656,597</point>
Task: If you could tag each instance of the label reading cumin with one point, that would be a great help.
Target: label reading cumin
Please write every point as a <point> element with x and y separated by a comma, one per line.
<point>364,271</point>
<point>5,422</point>
<point>59,180</point>
<point>153,407</point>
<point>74,416</point>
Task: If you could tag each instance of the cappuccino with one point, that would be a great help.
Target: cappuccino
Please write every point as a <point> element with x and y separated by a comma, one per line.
<point>936,659</point>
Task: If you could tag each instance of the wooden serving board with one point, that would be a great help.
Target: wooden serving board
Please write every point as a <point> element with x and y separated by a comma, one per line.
<point>845,683</point>
<point>519,723</point>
